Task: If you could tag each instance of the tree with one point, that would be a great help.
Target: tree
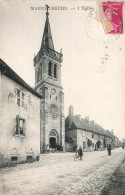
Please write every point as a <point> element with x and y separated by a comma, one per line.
<point>89,143</point>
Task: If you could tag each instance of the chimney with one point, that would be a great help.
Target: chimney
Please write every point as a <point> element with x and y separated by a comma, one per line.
<point>70,115</point>
<point>79,116</point>
<point>112,132</point>
<point>92,121</point>
<point>87,118</point>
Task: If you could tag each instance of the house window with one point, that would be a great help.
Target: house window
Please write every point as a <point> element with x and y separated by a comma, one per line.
<point>13,158</point>
<point>55,71</point>
<point>83,133</point>
<point>20,125</point>
<point>23,96</point>
<point>18,97</point>
<point>84,145</point>
<point>50,69</point>
<point>29,157</point>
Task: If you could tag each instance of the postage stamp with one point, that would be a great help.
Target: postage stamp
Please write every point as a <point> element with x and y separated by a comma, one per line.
<point>112,17</point>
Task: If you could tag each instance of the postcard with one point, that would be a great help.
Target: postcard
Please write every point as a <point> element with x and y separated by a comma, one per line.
<point>62,97</point>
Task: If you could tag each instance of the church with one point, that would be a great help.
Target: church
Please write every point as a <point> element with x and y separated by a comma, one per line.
<point>47,65</point>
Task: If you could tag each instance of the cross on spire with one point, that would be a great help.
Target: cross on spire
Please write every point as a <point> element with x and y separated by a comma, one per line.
<point>47,7</point>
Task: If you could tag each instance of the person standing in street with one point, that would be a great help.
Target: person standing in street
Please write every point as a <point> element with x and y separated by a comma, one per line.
<point>109,149</point>
<point>80,153</point>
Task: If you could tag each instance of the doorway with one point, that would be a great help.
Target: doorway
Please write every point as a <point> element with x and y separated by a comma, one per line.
<point>52,141</point>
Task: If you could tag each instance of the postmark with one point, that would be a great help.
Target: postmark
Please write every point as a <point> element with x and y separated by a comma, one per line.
<point>95,30</point>
<point>112,17</point>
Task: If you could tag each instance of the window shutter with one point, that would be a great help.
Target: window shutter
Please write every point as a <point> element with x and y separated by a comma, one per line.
<point>24,129</point>
<point>17,124</point>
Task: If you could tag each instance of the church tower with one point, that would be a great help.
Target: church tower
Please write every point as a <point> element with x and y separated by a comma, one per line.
<point>47,65</point>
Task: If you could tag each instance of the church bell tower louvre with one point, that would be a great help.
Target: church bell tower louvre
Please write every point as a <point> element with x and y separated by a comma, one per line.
<point>47,65</point>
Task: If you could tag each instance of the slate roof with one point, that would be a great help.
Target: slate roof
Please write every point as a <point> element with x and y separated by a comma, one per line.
<point>47,40</point>
<point>80,123</point>
<point>6,70</point>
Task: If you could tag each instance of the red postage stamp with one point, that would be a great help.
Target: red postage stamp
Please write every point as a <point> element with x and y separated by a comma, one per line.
<point>112,17</point>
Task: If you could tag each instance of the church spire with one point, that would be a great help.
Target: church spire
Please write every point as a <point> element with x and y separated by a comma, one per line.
<point>47,46</point>
<point>47,40</point>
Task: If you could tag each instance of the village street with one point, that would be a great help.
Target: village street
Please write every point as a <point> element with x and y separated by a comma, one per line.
<point>58,173</point>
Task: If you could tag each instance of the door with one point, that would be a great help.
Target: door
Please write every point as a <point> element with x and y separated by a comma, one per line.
<point>52,141</point>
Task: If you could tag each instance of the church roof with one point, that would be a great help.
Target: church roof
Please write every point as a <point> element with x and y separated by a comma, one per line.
<point>6,70</point>
<point>47,40</point>
<point>80,123</point>
<point>47,46</point>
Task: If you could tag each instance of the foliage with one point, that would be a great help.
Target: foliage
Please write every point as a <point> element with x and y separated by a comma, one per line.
<point>99,144</point>
<point>89,143</point>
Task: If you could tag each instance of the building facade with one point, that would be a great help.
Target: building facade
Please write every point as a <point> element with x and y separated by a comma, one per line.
<point>19,118</point>
<point>47,65</point>
<point>86,134</point>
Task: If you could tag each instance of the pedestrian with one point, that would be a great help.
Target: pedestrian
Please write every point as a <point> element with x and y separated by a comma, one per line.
<point>76,157</point>
<point>80,153</point>
<point>47,148</point>
<point>109,149</point>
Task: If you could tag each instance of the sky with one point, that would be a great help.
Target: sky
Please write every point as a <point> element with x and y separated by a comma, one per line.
<point>93,68</point>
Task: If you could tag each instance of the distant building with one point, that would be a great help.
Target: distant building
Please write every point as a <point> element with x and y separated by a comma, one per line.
<point>47,65</point>
<point>122,142</point>
<point>85,133</point>
<point>19,118</point>
<point>116,142</point>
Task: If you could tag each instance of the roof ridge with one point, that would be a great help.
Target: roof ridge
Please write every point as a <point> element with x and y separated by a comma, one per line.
<point>10,73</point>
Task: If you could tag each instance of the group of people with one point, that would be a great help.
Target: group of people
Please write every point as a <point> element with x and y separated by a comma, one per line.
<point>79,152</point>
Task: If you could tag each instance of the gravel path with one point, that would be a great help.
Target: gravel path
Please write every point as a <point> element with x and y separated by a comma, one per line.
<point>59,174</point>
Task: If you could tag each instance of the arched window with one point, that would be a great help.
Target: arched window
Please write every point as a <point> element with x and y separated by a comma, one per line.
<point>53,133</point>
<point>41,66</point>
<point>55,71</point>
<point>50,69</point>
<point>39,73</point>
<point>37,76</point>
<point>44,65</point>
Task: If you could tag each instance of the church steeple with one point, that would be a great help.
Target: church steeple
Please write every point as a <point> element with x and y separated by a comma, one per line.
<point>47,46</point>
<point>47,40</point>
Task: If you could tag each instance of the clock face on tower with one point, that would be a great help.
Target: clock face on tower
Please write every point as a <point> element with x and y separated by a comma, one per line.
<point>53,111</point>
<point>53,91</point>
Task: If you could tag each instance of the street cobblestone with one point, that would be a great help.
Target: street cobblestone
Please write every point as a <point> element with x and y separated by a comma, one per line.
<point>97,180</point>
<point>59,174</point>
